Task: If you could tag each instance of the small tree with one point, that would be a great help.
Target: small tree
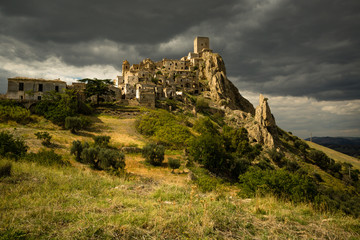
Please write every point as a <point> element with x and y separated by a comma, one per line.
<point>174,163</point>
<point>102,141</point>
<point>45,138</point>
<point>153,154</point>
<point>97,87</point>
<point>73,123</point>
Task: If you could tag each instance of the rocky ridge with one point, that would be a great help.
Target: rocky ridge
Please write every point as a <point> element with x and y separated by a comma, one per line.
<point>259,122</point>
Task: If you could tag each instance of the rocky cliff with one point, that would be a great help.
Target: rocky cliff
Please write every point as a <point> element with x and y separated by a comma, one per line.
<point>222,90</point>
<point>260,123</point>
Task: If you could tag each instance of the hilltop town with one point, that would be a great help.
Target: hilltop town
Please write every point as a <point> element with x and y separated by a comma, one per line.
<point>148,81</point>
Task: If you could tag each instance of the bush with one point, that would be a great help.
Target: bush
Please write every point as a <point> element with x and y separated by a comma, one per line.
<point>45,138</point>
<point>10,146</point>
<point>14,113</point>
<point>102,141</point>
<point>103,159</point>
<point>205,125</point>
<point>57,106</point>
<point>111,159</point>
<point>276,156</point>
<point>46,158</point>
<point>164,127</point>
<point>280,183</point>
<point>201,104</point>
<point>174,163</point>
<point>153,154</point>
<point>5,169</point>
<point>301,145</point>
<point>73,123</point>
<point>76,148</point>
<point>90,156</point>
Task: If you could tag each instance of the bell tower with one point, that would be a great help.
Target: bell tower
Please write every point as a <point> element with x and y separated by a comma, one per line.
<point>125,68</point>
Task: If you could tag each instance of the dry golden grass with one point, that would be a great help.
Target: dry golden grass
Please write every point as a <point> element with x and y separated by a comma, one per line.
<point>337,156</point>
<point>77,202</point>
<point>135,164</point>
<point>121,131</point>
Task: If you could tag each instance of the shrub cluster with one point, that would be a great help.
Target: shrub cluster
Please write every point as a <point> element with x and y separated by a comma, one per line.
<point>46,158</point>
<point>165,128</point>
<point>9,111</point>
<point>45,138</point>
<point>228,153</point>
<point>153,154</point>
<point>76,123</point>
<point>281,183</point>
<point>11,147</point>
<point>99,156</point>
<point>56,107</point>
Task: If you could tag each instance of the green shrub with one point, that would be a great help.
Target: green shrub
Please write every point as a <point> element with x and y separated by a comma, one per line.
<point>10,146</point>
<point>280,183</point>
<point>276,156</point>
<point>14,113</point>
<point>204,180</point>
<point>73,123</point>
<point>324,162</point>
<point>57,106</point>
<point>111,159</point>
<point>46,158</point>
<point>301,145</point>
<point>5,169</point>
<point>45,138</point>
<point>153,154</point>
<point>207,149</point>
<point>103,158</point>
<point>90,156</point>
<point>76,148</point>
<point>102,141</point>
<point>164,128</point>
<point>205,125</point>
<point>174,163</point>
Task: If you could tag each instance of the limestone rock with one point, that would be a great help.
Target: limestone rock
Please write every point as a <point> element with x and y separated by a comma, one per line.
<point>263,114</point>
<point>221,89</point>
<point>263,129</point>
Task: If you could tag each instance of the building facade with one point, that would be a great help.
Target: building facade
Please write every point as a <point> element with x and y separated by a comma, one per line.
<point>22,88</point>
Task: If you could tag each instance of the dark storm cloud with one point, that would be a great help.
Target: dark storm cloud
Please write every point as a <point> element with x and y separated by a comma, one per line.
<point>280,47</point>
<point>134,22</point>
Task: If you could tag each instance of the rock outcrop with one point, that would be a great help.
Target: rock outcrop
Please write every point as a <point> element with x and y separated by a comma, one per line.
<point>263,113</point>
<point>263,130</point>
<point>222,90</point>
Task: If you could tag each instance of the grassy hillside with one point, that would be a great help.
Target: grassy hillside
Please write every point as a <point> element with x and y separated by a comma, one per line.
<point>76,202</point>
<point>337,156</point>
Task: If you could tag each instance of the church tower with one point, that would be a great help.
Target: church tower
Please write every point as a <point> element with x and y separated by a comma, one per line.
<point>125,68</point>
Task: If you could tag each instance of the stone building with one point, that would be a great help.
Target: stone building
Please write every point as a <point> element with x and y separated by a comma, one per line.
<point>22,88</point>
<point>163,79</point>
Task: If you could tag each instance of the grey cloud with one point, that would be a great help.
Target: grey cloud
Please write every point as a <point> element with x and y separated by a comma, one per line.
<point>280,47</point>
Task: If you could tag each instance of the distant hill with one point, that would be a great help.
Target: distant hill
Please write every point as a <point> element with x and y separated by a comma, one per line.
<point>347,145</point>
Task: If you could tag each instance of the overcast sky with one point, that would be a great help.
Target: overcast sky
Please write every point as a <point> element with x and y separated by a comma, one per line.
<point>303,55</point>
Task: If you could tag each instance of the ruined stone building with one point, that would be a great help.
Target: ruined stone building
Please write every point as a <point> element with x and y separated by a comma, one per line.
<point>168,78</point>
<point>22,88</point>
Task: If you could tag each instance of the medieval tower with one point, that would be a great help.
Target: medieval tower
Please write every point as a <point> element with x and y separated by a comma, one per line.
<point>201,43</point>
